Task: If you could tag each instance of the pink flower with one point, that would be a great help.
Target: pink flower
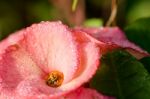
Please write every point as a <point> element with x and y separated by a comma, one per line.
<point>47,61</point>
<point>50,61</point>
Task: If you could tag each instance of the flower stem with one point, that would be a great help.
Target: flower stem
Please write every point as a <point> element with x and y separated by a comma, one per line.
<point>112,18</point>
<point>74,5</point>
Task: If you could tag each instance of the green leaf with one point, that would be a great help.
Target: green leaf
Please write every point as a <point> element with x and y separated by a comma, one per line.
<point>121,75</point>
<point>139,33</point>
<point>146,62</point>
<point>93,22</point>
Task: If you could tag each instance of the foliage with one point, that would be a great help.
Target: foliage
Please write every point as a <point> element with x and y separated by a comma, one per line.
<point>139,32</point>
<point>121,75</point>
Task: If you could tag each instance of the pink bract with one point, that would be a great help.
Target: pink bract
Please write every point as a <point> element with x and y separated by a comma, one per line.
<point>29,55</point>
<point>112,37</point>
<point>86,93</point>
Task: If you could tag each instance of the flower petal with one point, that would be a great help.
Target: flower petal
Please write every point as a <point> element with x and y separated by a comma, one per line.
<point>36,51</point>
<point>89,62</point>
<point>40,49</point>
<point>88,66</point>
<point>85,93</point>
<point>52,47</point>
<point>114,36</point>
<point>36,87</point>
<point>15,66</point>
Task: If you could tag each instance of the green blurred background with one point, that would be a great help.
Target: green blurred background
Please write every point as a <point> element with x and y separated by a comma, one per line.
<point>17,14</point>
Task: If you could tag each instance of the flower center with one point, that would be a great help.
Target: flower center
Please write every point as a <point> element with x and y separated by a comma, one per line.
<point>54,79</point>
